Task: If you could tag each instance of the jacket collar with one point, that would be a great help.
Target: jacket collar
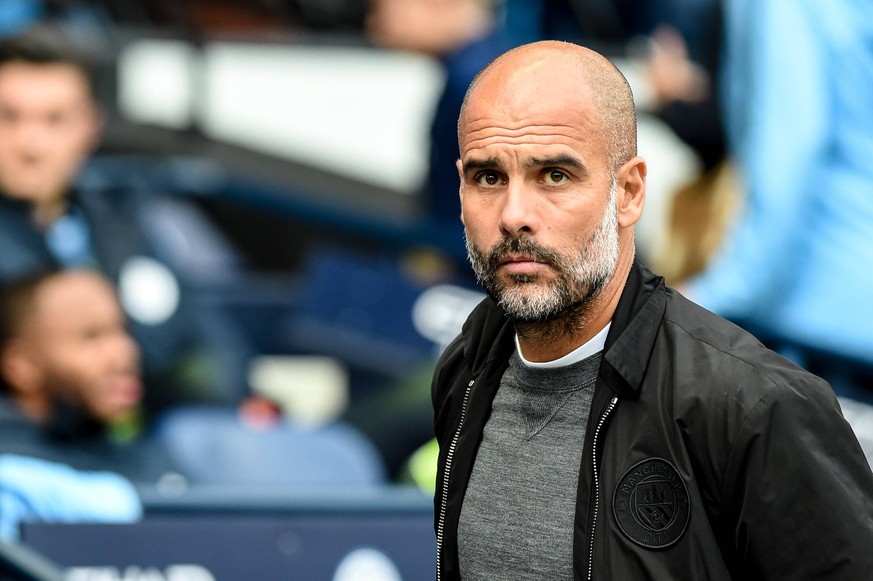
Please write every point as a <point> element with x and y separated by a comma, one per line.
<point>489,335</point>
<point>635,324</point>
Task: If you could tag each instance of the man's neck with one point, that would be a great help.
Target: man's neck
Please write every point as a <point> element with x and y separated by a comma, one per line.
<point>550,340</point>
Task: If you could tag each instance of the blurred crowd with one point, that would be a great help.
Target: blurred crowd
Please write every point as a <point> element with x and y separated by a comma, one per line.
<point>143,342</point>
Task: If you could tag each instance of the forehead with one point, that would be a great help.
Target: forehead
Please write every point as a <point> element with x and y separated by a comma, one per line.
<point>545,104</point>
<point>74,299</point>
<point>56,81</point>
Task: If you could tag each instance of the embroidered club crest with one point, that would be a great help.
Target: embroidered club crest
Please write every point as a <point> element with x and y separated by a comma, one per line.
<point>651,505</point>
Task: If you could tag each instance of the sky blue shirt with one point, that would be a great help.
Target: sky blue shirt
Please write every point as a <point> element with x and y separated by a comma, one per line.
<point>32,489</point>
<point>798,263</point>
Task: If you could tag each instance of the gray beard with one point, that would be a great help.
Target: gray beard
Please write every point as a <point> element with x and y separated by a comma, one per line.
<point>562,307</point>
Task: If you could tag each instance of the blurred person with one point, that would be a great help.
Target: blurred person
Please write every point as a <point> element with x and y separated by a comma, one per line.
<point>675,48</point>
<point>685,87</point>
<point>52,321</point>
<point>798,83</point>
<point>68,372</point>
<point>684,81</point>
<point>592,422</point>
<point>71,376</point>
<point>464,35</point>
<point>50,215</point>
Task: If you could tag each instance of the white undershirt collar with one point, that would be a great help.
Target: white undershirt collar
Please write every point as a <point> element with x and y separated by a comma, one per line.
<point>587,349</point>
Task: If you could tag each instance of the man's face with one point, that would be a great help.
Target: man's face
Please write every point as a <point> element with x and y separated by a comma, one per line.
<point>78,342</point>
<point>48,125</point>
<point>538,199</point>
<point>579,274</point>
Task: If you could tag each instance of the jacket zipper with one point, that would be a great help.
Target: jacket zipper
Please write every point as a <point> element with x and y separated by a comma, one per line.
<point>442,520</point>
<point>612,403</point>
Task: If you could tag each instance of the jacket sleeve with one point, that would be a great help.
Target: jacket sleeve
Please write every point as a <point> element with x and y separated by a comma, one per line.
<point>799,489</point>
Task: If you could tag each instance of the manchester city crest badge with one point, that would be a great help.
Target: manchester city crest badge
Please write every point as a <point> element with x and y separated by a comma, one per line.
<point>651,505</point>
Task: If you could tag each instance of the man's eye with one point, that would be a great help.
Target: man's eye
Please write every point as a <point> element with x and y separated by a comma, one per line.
<point>555,176</point>
<point>90,334</point>
<point>55,119</point>
<point>487,178</point>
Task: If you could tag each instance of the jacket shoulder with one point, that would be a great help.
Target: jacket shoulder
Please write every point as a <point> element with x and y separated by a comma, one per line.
<point>714,348</point>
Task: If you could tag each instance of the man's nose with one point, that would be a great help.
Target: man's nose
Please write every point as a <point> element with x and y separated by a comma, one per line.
<point>124,350</point>
<point>518,214</point>
<point>29,138</point>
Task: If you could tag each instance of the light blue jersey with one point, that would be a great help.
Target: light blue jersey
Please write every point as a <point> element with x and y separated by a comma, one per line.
<point>798,263</point>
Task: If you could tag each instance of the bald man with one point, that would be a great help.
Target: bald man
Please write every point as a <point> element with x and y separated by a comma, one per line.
<point>593,423</point>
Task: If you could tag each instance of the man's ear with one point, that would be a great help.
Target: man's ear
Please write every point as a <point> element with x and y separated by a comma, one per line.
<point>631,178</point>
<point>20,372</point>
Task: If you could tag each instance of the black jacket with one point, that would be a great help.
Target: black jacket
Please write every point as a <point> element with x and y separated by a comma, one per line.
<point>707,456</point>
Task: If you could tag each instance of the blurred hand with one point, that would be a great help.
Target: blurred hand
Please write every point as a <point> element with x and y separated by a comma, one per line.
<point>673,76</point>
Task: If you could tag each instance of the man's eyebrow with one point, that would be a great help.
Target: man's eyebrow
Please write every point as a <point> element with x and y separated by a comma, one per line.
<point>479,164</point>
<point>558,161</point>
<point>567,161</point>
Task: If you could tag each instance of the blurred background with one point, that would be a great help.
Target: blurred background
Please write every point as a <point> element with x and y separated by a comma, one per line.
<point>269,188</point>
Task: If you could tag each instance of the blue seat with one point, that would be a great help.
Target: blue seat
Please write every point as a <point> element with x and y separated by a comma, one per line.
<point>358,309</point>
<point>214,446</point>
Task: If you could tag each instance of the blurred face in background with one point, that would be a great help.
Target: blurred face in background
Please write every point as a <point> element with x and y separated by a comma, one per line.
<point>433,27</point>
<point>75,347</point>
<point>48,126</point>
